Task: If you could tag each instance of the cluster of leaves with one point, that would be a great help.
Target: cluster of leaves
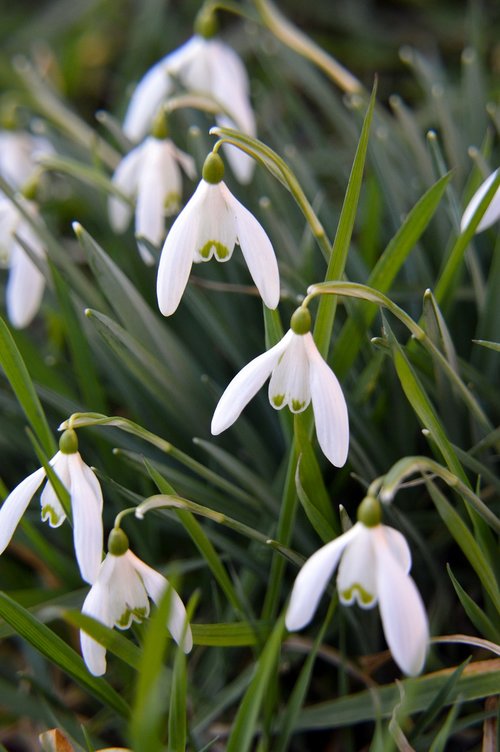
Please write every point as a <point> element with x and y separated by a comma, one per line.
<point>387,182</point>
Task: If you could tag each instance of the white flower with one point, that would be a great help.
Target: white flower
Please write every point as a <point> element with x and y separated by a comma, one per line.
<point>120,596</point>
<point>210,224</point>
<point>492,213</point>
<point>374,566</point>
<point>26,282</point>
<point>299,376</point>
<point>86,507</point>
<point>151,173</point>
<point>203,66</point>
<point>19,152</point>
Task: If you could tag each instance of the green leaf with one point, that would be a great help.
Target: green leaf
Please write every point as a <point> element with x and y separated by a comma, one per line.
<point>56,650</point>
<point>319,512</point>
<point>245,723</point>
<point>17,374</point>
<point>234,634</point>
<point>480,620</point>
<point>434,707</point>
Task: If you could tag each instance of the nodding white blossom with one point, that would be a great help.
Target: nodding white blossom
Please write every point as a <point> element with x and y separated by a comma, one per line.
<point>202,66</point>
<point>209,226</point>
<point>26,282</point>
<point>492,213</point>
<point>19,152</point>
<point>373,567</point>
<point>150,173</point>
<point>299,375</point>
<point>86,505</point>
<point>120,595</point>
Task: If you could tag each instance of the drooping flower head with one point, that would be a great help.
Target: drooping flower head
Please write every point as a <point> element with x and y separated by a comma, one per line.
<point>19,154</point>
<point>120,595</point>
<point>202,65</point>
<point>492,213</point>
<point>299,375</point>
<point>151,174</point>
<point>26,283</point>
<point>209,226</point>
<point>373,561</point>
<point>86,505</point>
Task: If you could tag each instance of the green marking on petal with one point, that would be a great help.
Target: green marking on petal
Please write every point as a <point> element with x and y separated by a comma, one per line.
<point>171,202</point>
<point>131,614</point>
<point>362,595</point>
<point>297,405</point>
<point>50,514</point>
<point>213,247</point>
<point>277,400</point>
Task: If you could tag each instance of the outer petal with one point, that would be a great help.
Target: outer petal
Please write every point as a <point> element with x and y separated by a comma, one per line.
<point>149,93</point>
<point>257,251</point>
<point>26,283</point>
<point>230,85</point>
<point>96,605</point>
<point>289,383</point>
<point>403,613</point>
<point>491,214</point>
<point>177,254</point>
<point>313,579</point>
<point>125,178</point>
<point>16,504</point>
<point>245,385</point>
<point>155,585</point>
<point>329,406</point>
<point>398,546</point>
<point>356,579</point>
<point>86,505</point>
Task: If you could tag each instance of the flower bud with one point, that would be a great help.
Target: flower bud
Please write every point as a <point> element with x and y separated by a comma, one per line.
<point>68,443</point>
<point>213,169</point>
<point>300,323</point>
<point>117,542</point>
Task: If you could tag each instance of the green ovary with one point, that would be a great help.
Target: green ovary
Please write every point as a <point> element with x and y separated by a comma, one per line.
<point>213,246</point>
<point>362,595</point>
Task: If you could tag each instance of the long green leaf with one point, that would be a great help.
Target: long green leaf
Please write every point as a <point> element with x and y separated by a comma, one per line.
<point>56,650</point>
<point>480,620</point>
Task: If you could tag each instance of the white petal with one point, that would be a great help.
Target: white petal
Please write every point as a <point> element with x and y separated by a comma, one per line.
<point>86,505</point>
<point>491,214</point>
<point>289,383</point>
<point>52,510</point>
<point>245,385</point>
<point>155,585</point>
<point>16,504</point>
<point>190,63</point>
<point>403,613</point>
<point>231,86</point>
<point>313,579</point>
<point>398,546</point>
<point>356,579</point>
<point>216,224</point>
<point>149,93</point>
<point>125,178</point>
<point>128,597</point>
<point>96,605</point>
<point>257,251</point>
<point>329,406</point>
<point>26,283</point>
<point>177,255</point>
<point>149,213</point>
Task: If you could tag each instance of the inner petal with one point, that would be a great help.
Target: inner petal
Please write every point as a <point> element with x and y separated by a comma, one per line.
<point>356,579</point>
<point>289,383</point>
<point>216,234</point>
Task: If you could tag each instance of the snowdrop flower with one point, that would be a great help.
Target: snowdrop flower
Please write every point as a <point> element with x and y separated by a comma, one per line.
<point>151,173</point>
<point>86,504</point>
<point>19,152</point>
<point>26,283</point>
<point>374,563</point>
<point>120,596</point>
<point>492,213</point>
<point>299,375</point>
<point>205,66</point>
<point>210,224</point>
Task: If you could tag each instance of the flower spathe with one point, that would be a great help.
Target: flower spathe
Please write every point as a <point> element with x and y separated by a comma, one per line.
<point>151,173</point>
<point>202,66</point>
<point>26,283</point>
<point>120,595</point>
<point>299,375</point>
<point>86,507</point>
<point>492,213</point>
<point>374,564</point>
<point>210,225</point>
